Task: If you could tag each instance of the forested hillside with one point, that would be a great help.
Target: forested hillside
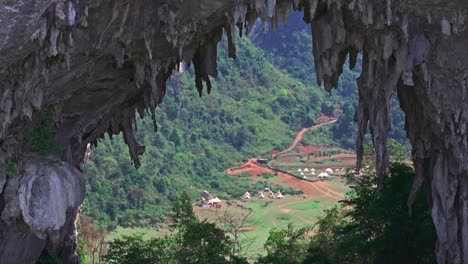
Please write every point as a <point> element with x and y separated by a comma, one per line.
<point>257,104</point>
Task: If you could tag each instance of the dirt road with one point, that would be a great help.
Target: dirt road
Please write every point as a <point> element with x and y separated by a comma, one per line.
<point>299,136</point>
<point>310,188</point>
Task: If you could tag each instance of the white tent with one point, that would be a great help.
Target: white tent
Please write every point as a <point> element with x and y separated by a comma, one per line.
<point>302,173</point>
<point>329,171</point>
<point>260,195</point>
<point>306,169</point>
<point>305,177</point>
<point>312,169</point>
<point>323,175</point>
<point>214,200</point>
<point>279,195</point>
<point>312,173</point>
<point>299,169</point>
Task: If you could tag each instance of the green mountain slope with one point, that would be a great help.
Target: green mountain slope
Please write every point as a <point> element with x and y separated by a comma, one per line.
<point>254,107</point>
<point>258,103</point>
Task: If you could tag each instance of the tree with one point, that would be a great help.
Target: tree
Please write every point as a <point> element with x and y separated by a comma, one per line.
<point>135,250</point>
<point>232,224</point>
<point>345,128</point>
<point>193,242</point>
<point>396,151</point>
<point>182,213</point>
<point>285,246</point>
<point>175,138</point>
<point>160,185</point>
<point>203,242</point>
<point>374,225</point>
<point>91,240</point>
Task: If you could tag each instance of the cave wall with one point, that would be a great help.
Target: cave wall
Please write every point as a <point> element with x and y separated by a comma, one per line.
<point>101,62</point>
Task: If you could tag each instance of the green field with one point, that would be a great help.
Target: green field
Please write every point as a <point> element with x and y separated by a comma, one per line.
<point>301,210</point>
<point>266,214</point>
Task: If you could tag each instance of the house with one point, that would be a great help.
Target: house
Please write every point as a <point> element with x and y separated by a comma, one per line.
<point>247,195</point>
<point>262,161</point>
<point>329,171</point>
<point>261,195</point>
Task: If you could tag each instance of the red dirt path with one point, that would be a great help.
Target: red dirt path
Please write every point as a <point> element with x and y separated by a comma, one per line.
<point>299,136</point>
<point>309,188</point>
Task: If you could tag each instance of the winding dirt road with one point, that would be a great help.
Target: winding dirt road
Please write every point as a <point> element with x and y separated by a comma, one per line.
<point>310,188</point>
<point>299,136</point>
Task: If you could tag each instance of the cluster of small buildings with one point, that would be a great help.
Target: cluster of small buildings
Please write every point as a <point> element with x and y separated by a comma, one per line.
<point>324,174</point>
<point>261,194</point>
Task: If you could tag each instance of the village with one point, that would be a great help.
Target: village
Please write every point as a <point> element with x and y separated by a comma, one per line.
<point>317,174</point>
<point>208,201</point>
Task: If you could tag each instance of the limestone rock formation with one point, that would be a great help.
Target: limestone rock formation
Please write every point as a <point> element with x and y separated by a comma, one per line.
<point>101,62</point>
<point>38,208</point>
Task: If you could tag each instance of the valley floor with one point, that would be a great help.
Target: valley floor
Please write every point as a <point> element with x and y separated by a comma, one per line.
<point>262,215</point>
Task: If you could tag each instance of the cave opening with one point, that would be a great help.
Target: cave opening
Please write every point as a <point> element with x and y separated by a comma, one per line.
<point>100,63</point>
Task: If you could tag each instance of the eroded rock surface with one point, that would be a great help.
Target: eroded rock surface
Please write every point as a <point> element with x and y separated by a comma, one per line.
<point>38,205</point>
<point>101,62</point>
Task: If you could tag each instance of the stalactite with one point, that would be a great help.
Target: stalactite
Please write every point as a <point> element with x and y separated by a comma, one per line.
<point>103,63</point>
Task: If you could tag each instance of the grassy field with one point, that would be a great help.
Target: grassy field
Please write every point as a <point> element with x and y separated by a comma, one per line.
<point>126,231</point>
<point>266,214</point>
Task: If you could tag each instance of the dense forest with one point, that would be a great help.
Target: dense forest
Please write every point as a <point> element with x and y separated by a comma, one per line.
<point>258,103</point>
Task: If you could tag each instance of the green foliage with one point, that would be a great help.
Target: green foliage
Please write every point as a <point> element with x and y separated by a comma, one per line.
<point>11,168</point>
<point>258,102</point>
<point>267,175</point>
<point>48,257</point>
<point>285,246</point>
<point>377,228</point>
<point>396,152</point>
<point>39,137</point>
<point>345,128</point>
<point>203,242</point>
<point>373,226</point>
<point>198,138</point>
<point>182,213</point>
<point>134,250</point>
<point>194,243</point>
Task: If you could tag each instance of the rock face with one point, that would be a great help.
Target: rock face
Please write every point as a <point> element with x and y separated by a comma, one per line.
<point>38,208</point>
<point>101,62</point>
